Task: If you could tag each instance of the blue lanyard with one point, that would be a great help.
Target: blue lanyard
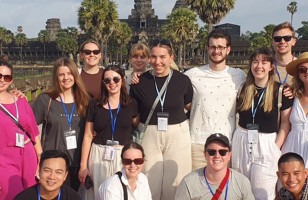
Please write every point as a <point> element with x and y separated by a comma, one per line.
<point>208,185</point>
<point>285,79</point>
<point>161,100</point>
<point>113,121</point>
<point>252,105</point>
<point>39,193</point>
<point>69,118</point>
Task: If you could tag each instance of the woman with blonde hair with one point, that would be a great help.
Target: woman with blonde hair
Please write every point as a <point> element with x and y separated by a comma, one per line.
<point>257,141</point>
<point>62,111</point>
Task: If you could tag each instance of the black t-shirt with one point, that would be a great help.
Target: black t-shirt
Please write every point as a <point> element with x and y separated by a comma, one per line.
<point>179,93</point>
<point>101,118</point>
<point>267,120</point>
<point>31,193</point>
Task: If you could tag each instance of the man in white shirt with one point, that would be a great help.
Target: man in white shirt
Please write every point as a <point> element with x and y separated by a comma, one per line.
<point>214,100</point>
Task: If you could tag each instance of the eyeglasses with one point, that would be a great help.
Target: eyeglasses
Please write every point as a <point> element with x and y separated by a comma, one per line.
<point>7,78</point>
<point>212,152</point>
<point>302,70</point>
<point>220,48</point>
<point>137,161</point>
<point>286,38</point>
<point>88,52</point>
<point>108,80</point>
<point>157,42</point>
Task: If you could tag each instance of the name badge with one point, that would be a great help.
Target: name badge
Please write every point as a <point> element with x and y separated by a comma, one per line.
<point>112,142</point>
<point>253,134</point>
<point>109,153</point>
<point>20,140</point>
<point>162,121</point>
<point>71,140</point>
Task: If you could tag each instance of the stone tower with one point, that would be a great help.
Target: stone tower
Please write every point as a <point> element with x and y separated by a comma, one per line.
<point>53,26</point>
<point>180,4</point>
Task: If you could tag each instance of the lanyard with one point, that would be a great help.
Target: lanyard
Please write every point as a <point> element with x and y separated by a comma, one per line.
<point>113,121</point>
<point>285,79</point>
<point>208,185</point>
<point>161,100</point>
<point>39,193</point>
<point>252,105</point>
<point>17,113</point>
<point>69,118</point>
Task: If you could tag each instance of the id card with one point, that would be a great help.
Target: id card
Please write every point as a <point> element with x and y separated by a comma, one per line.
<point>71,140</point>
<point>253,134</point>
<point>109,153</point>
<point>20,140</point>
<point>162,121</point>
<point>112,142</point>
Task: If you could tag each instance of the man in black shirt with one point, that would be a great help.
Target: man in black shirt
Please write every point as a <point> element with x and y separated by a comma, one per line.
<point>53,172</point>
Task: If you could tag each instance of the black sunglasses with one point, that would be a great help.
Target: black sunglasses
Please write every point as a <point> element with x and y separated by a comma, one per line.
<point>88,52</point>
<point>302,70</point>
<point>157,42</point>
<point>7,78</point>
<point>212,152</point>
<point>137,161</point>
<point>286,38</point>
<point>108,80</point>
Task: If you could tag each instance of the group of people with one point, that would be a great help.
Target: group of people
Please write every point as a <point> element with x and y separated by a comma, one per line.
<point>89,115</point>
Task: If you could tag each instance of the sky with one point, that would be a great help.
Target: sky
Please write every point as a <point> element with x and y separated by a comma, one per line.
<point>251,15</point>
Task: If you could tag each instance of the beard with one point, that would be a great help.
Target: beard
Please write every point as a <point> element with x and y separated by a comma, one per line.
<point>223,58</point>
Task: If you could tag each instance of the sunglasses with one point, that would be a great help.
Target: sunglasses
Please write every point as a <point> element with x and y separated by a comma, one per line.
<point>108,80</point>
<point>157,42</point>
<point>7,78</point>
<point>137,161</point>
<point>286,38</point>
<point>88,52</point>
<point>212,152</point>
<point>302,70</point>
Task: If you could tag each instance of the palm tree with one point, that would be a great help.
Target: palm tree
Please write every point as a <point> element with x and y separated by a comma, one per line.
<point>21,40</point>
<point>19,29</point>
<point>5,37</point>
<point>292,8</point>
<point>202,37</point>
<point>67,41</point>
<point>44,37</point>
<point>211,11</point>
<point>97,19</point>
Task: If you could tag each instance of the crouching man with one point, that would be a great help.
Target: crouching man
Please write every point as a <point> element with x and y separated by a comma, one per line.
<point>53,172</point>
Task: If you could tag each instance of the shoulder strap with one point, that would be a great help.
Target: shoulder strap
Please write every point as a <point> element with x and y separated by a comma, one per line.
<point>44,133</point>
<point>221,186</point>
<point>279,105</point>
<point>123,185</point>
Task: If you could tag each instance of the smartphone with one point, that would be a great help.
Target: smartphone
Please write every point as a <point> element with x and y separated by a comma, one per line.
<point>88,182</point>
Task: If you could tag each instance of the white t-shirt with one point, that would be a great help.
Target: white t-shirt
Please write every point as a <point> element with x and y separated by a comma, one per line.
<point>111,188</point>
<point>214,101</point>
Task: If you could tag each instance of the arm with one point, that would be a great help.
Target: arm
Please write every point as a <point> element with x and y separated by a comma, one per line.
<point>187,106</point>
<point>284,128</point>
<point>288,91</point>
<point>18,93</point>
<point>38,150</point>
<point>136,120</point>
<point>85,151</point>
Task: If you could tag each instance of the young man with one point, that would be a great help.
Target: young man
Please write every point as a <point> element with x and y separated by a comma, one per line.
<point>53,172</point>
<point>293,176</point>
<point>214,97</point>
<point>283,40</point>
<point>216,180</point>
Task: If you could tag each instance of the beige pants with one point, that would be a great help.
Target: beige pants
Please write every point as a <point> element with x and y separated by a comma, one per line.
<point>168,158</point>
<point>101,169</point>
<point>197,156</point>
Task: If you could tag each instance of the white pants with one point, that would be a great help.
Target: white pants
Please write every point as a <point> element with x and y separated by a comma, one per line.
<point>259,166</point>
<point>197,156</point>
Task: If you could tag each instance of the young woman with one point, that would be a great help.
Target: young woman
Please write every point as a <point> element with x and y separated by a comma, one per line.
<point>91,73</point>
<point>137,186</point>
<point>298,138</point>
<point>166,141</point>
<point>257,141</point>
<point>62,111</point>
<point>109,119</point>
<point>19,157</point>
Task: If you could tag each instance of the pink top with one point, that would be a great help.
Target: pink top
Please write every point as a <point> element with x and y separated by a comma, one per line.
<point>9,128</point>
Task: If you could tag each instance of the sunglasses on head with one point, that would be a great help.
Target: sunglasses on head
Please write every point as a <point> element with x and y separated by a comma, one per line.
<point>286,38</point>
<point>161,42</point>
<point>302,70</point>
<point>88,52</point>
<point>108,80</point>
<point>212,152</point>
<point>7,78</point>
<point>137,161</point>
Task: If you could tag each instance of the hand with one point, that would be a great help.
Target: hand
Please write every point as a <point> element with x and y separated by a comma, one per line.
<point>135,77</point>
<point>288,92</point>
<point>83,174</point>
<point>18,93</point>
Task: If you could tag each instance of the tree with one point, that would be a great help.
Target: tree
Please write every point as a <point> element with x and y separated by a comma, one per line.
<point>202,37</point>
<point>181,27</point>
<point>67,41</point>
<point>211,11</point>
<point>44,37</point>
<point>21,40</point>
<point>303,31</point>
<point>19,29</point>
<point>292,8</point>
<point>97,19</point>
<point>5,37</point>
